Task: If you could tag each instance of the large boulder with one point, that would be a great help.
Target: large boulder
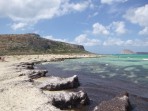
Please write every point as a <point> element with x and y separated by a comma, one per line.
<point>56,83</point>
<point>69,100</point>
<point>119,103</point>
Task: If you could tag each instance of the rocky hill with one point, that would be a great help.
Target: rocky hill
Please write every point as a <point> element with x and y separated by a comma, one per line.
<point>34,44</point>
<point>127,51</point>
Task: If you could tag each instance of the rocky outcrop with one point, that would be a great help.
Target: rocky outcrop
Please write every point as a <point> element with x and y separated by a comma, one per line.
<point>32,74</point>
<point>56,83</point>
<point>68,100</point>
<point>60,99</point>
<point>119,103</point>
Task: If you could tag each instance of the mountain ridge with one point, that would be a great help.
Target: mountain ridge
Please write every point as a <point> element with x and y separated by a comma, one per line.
<point>31,43</point>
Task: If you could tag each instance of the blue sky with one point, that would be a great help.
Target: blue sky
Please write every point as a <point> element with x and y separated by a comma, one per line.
<point>102,26</point>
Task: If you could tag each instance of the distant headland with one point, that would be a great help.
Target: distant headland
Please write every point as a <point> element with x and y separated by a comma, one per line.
<point>127,51</point>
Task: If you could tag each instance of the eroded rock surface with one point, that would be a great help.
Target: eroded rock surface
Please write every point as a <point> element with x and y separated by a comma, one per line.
<point>56,83</point>
<point>119,103</point>
<point>58,99</point>
<point>68,100</point>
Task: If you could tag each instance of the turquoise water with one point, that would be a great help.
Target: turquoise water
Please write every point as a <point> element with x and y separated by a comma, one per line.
<point>132,68</point>
<point>105,77</point>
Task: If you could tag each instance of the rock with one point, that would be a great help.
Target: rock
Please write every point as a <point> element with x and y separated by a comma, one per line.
<point>57,59</point>
<point>29,67</point>
<point>37,74</point>
<point>56,83</point>
<point>70,100</point>
<point>39,61</point>
<point>26,65</point>
<point>119,103</point>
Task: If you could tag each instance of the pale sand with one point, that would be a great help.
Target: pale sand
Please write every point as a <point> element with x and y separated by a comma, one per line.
<point>16,92</point>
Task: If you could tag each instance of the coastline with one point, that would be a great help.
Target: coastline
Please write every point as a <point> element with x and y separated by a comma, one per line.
<point>17,92</point>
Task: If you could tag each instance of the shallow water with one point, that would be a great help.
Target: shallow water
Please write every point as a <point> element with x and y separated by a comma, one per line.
<point>104,78</point>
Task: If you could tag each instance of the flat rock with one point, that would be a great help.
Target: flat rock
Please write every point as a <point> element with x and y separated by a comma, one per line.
<point>56,83</point>
<point>119,103</point>
<point>69,100</point>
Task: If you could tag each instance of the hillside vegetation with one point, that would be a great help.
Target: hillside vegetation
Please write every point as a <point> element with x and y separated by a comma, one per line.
<point>11,44</point>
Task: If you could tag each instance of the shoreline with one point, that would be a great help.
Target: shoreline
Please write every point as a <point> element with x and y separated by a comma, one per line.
<point>17,92</point>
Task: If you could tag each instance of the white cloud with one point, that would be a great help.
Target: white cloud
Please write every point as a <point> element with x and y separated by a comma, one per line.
<point>84,40</point>
<point>16,26</point>
<point>54,38</point>
<point>109,2</point>
<point>31,11</point>
<point>144,31</point>
<point>115,28</point>
<point>136,42</point>
<point>113,41</point>
<point>100,29</point>
<point>119,42</point>
<point>93,15</point>
<point>78,6</point>
<point>139,16</point>
<point>118,27</point>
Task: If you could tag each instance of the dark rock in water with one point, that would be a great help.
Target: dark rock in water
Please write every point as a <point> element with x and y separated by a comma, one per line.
<point>37,74</point>
<point>119,103</point>
<point>70,100</point>
<point>56,83</point>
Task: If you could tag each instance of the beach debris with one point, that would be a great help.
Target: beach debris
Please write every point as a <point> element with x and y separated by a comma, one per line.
<point>119,103</point>
<point>37,74</point>
<point>69,100</point>
<point>57,83</point>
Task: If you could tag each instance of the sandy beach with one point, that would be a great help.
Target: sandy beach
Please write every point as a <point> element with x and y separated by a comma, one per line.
<point>18,93</point>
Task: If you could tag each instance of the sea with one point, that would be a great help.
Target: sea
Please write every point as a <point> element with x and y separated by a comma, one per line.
<point>103,78</point>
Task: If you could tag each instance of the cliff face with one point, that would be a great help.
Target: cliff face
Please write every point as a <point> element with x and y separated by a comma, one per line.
<point>34,44</point>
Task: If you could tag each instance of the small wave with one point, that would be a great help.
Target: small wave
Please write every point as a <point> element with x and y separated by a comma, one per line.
<point>145,59</point>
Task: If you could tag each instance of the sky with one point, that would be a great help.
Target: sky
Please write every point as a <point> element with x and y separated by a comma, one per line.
<point>101,26</point>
